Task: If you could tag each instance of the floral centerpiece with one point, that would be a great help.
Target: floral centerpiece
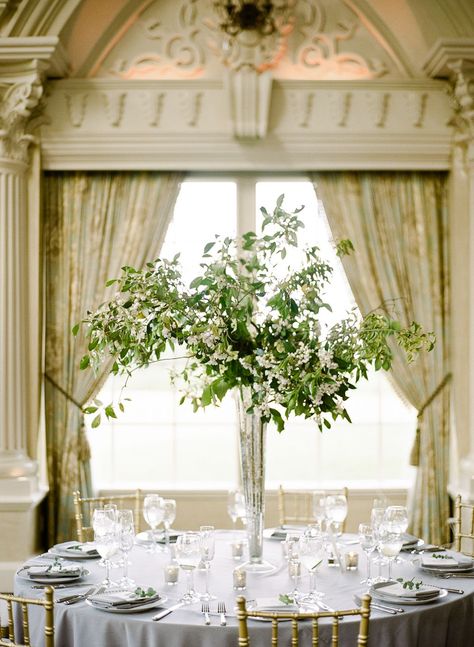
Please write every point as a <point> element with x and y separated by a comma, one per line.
<point>244,328</point>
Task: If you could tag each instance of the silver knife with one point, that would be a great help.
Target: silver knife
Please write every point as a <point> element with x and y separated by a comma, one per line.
<point>165,612</point>
<point>72,585</point>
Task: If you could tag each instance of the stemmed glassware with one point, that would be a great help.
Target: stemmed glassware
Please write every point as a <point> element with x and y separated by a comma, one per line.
<point>126,534</point>
<point>169,507</point>
<point>105,539</point>
<point>396,519</point>
<point>319,507</point>
<point>208,545</point>
<point>390,544</point>
<point>294,566</point>
<point>235,506</point>
<point>153,512</point>
<point>376,519</point>
<point>311,549</point>
<point>188,556</point>
<point>368,543</point>
<point>336,511</point>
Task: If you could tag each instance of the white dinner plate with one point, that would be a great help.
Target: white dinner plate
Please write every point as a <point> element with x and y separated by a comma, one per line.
<point>136,609</point>
<point>22,573</point>
<point>467,568</point>
<point>395,599</point>
<point>62,551</point>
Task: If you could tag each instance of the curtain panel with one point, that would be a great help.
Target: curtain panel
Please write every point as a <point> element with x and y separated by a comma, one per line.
<point>94,223</point>
<point>398,223</point>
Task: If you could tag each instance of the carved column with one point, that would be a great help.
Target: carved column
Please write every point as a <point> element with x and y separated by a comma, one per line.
<point>462,220</point>
<point>20,93</point>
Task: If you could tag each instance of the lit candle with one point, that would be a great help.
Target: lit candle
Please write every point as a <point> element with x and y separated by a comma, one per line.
<point>351,561</point>
<point>171,572</point>
<point>237,550</point>
<point>240,579</point>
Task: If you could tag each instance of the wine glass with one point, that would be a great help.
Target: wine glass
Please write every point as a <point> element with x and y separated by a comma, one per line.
<point>311,549</point>
<point>368,543</point>
<point>105,539</point>
<point>169,507</point>
<point>235,506</point>
<point>188,556</point>
<point>208,545</point>
<point>319,507</point>
<point>396,519</point>
<point>126,534</point>
<point>153,512</point>
<point>336,510</point>
<point>376,519</point>
<point>294,565</point>
<point>390,544</point>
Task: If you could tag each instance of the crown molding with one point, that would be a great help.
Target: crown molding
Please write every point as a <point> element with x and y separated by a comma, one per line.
<point>444,53</point>
<point>42,48</point>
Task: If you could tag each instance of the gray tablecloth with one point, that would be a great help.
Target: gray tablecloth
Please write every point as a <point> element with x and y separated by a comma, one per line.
<point>446,623</point>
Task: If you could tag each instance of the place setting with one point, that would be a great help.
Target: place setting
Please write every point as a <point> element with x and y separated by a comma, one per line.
<point>58,571</point>
<point>445,564</point>
<point>75,550</point>
<point>126,601</point>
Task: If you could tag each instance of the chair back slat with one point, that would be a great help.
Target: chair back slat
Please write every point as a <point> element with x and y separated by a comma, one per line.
<point>47,603</point>
<point>84,508</point>
<point>296,506</point>
<point>276,617</point>
<point>463,527</point>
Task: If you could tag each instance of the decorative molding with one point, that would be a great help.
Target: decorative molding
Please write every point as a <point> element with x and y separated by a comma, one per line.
<point>249,94</point>
<point>463,119</point>
<point>153,104</point>
<point>76,106</point>
<point>378,105</point>
<point>21,91</point>
<point>334,124</point>
<point>114,103</point>
<point>47,49</point>
<point>445,52</point>
<point>191,106</point>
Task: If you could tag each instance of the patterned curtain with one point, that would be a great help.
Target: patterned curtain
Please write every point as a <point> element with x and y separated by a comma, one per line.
<point>93,224</point>
<point>398,223</point>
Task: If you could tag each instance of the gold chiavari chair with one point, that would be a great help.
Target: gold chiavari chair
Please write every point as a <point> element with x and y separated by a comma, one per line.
<point>296,506</point>
<point>84,507</point>
<point>276,617</point>
<point>9,640</point>
<point>463,527</point>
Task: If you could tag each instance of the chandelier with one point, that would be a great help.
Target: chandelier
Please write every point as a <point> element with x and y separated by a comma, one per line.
<point>261,16</point>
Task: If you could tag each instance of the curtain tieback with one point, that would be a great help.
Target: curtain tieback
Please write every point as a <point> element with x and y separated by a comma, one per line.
<point>83,445</point>
<point>415,452</point>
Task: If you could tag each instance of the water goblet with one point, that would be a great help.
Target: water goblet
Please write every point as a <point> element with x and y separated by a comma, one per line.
<point>319,507</point>
<point>311,555</point>
<point>390,545</point>
<point>126,533</point>
<point>376,520</point>
<point>368,543</point>
<point>106,539</point>
<point>336,511</point>
<point>153,513</point>
<point>169,507</point>
<point>396,518</point>
<point>188,556</point>
<point>207,555</point>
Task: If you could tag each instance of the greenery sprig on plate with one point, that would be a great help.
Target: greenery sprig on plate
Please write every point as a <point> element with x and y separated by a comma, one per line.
<point>249,321</point>
<point>142,593</point>
<point>441,556</point>
<point>410,584</point>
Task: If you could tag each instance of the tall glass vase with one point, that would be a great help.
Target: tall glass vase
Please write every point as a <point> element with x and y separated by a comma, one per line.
<point>252,436</point>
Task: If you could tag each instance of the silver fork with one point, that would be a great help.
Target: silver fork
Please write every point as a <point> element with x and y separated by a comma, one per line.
<point>221,611</point>
<point>205,611</point>
<point>72,599</point>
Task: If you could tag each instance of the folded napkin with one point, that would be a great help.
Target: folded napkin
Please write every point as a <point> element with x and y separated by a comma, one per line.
<point>85,549</point>
<point>395,589</point>
<point>121,600</point>
<point>408,539</point>
<point>54,571</point>
<point>441,560</point>
<point>272,604</point>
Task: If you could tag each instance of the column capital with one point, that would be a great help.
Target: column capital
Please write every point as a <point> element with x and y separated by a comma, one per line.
<point>21,92</point>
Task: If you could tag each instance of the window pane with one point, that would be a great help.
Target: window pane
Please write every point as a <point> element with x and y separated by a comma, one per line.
<point>375,447</point>
<point>156,440</point>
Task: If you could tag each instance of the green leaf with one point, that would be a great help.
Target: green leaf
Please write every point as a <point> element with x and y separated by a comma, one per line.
<point>277,419</point>
<point>206,397</point>
<point>109,411</point>
<point>75,329</point>
<point>280,199</point>
<point>220,387</point>
<point>90,409</point>
<point>96,422</point>
<point>121,407</point>
<point>110,282</point>
<point>208,247</point>
<point>85,362</point>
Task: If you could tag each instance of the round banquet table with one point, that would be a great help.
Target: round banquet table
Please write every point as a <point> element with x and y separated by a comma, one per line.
<point>448,622</point>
